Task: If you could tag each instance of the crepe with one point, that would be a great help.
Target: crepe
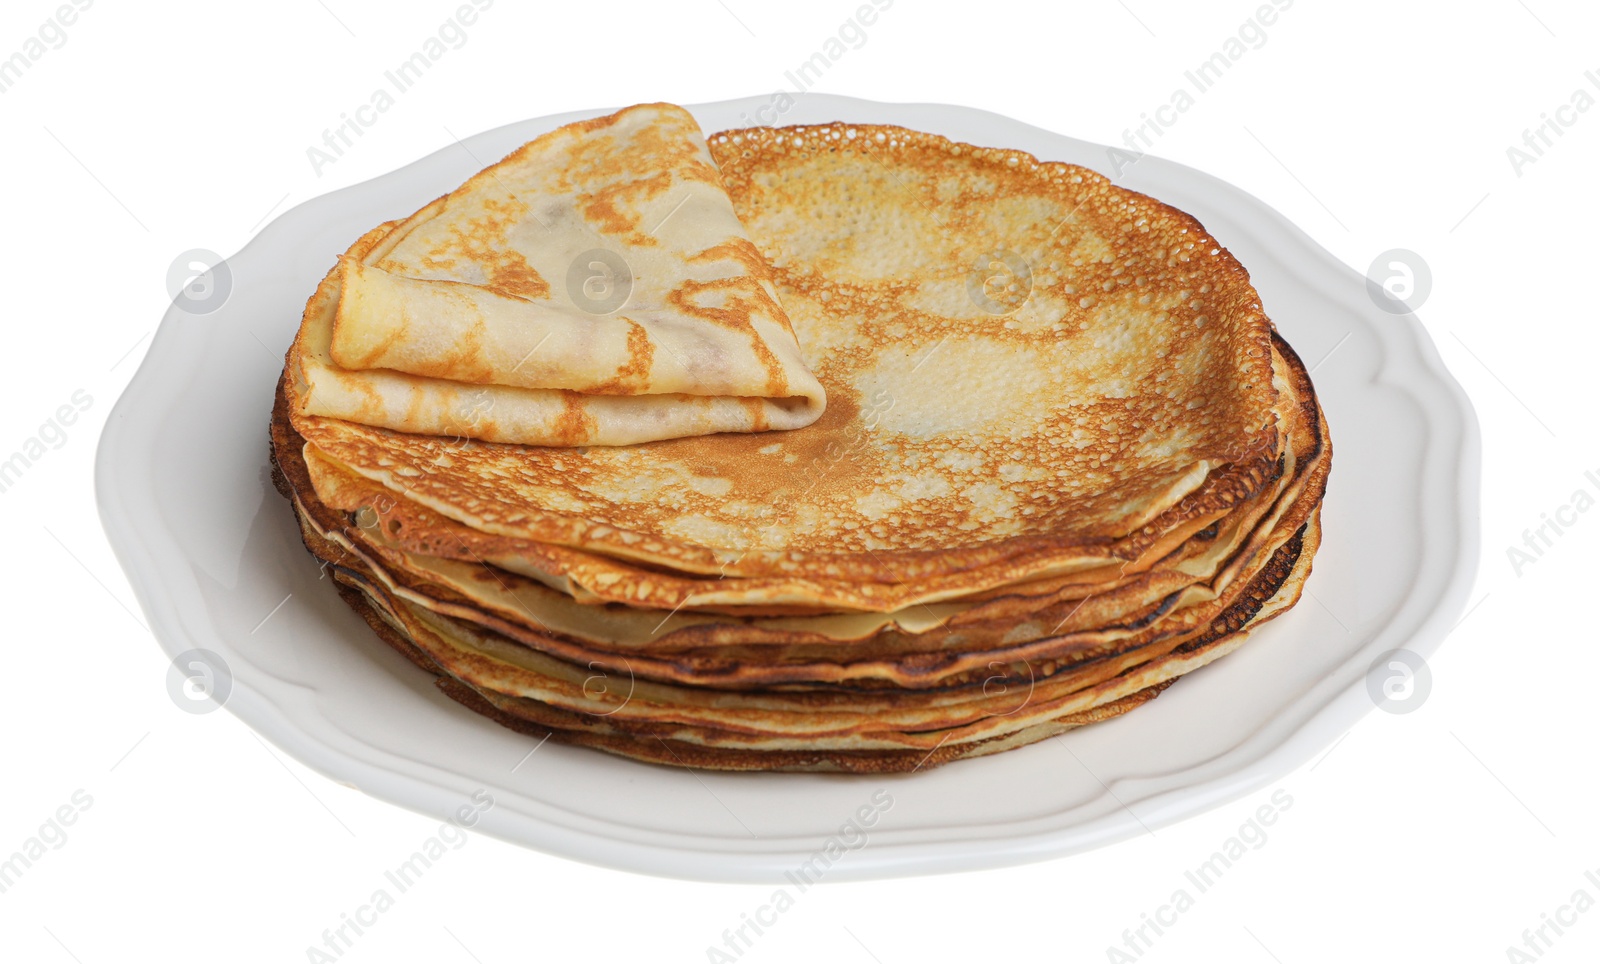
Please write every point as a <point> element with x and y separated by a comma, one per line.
<point>593,288</point>
<point>428,540</point>
<point>745,652</point>
<point>1133,387</point>
<point>861,669</point>
<point>495,663</point>
<point>367,526</point>
<point>839,720</point>
<point>869,744</point>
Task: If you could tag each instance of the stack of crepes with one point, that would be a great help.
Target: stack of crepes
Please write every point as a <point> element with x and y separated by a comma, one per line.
<point>838,447</point>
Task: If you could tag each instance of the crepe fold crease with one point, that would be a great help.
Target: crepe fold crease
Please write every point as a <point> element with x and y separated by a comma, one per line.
<point>593,288</point>
<point>1065,460</point>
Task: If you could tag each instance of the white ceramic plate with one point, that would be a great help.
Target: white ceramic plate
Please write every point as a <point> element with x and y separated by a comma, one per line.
<point>211,550</point>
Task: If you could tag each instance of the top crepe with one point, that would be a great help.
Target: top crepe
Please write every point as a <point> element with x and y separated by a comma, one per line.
<point>1019,357</point>
<point>593,288</point>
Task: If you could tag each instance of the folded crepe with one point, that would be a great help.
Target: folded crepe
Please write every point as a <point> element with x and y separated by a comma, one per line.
<point>593,288</point>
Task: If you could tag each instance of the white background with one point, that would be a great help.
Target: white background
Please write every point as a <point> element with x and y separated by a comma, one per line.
<point>1439,835</point>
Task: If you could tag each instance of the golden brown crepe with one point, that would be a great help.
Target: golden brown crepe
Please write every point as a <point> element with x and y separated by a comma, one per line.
<point>593,288</point>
